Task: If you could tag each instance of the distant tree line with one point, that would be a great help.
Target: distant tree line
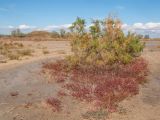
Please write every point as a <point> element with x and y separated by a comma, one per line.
<point>17,33</point>
<point>95,31</point>
<point>62,33</point>
<point>140,36</point>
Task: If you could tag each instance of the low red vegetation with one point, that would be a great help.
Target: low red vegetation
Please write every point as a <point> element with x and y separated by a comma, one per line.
<point>80,91</point>
<point>57,71</point>
<point>105,86</point>
<point>54,103</point>
<point>61,94</point>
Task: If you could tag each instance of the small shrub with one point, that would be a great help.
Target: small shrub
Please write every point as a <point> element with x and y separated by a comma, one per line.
<point>54,103</point>
<point>25,52</point>
<point>61,94</point>
<point>61,52</point>
<point>14,50</point>
<point>80,92</point>
<point>19,45</point>
<point>14,93</point>
<point>45,51</point>
<point>28,105</point>
<point>57,70</point>
<point>13,56</point>
<point>97,115</point>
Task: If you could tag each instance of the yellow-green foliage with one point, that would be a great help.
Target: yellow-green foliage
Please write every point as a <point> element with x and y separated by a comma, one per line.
<point>110,48</point>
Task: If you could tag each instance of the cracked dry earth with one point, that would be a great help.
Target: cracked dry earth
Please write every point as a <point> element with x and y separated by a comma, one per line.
<point>23,88</point>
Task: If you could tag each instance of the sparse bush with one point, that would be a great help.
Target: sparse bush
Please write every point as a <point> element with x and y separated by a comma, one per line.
<point>54,103</point>
<point>95,29</point>
<point>62,33</point>
<point>14,51</point>
<point>146,37</point>
<point>61,93</point>
<point>25,52</point>
<point>55,34</point>
<point>45,51</point>
<point>17,33</point>
<point>78,27</point>
<point>97,115</point>
<point>15,93</point>
<point>13,56</point>
<point>58,69</point>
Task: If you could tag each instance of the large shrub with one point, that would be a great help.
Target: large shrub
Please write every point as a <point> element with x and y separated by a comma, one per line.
<point>106,43</point>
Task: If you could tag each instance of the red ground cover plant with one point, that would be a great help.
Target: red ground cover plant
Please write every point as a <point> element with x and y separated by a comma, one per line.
<point>61,93</point>
<point>57,70</point>
<point>54,103</point>
<point>105,86</point>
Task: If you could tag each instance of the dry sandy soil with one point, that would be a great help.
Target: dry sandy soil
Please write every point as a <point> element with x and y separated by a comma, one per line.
<point>23,88</point>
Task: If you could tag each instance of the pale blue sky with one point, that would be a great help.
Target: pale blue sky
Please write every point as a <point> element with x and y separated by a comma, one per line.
<point>50,14</point>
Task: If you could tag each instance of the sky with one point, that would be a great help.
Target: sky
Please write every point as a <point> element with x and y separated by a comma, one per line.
<point>141,16</point>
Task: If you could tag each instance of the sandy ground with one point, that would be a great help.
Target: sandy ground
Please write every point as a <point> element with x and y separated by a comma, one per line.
<point>25,79</point>
<point>146,105</point>
<point>53,47</point>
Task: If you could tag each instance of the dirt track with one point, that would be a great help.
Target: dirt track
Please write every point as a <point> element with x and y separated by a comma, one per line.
<point>32,89</point>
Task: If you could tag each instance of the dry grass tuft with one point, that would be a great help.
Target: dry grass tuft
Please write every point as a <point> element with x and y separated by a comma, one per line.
<point>45,51</point>
<point>14,51</point>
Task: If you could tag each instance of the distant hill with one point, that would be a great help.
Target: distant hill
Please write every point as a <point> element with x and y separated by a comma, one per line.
<point>41,34</point>
<point>36,36</point>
